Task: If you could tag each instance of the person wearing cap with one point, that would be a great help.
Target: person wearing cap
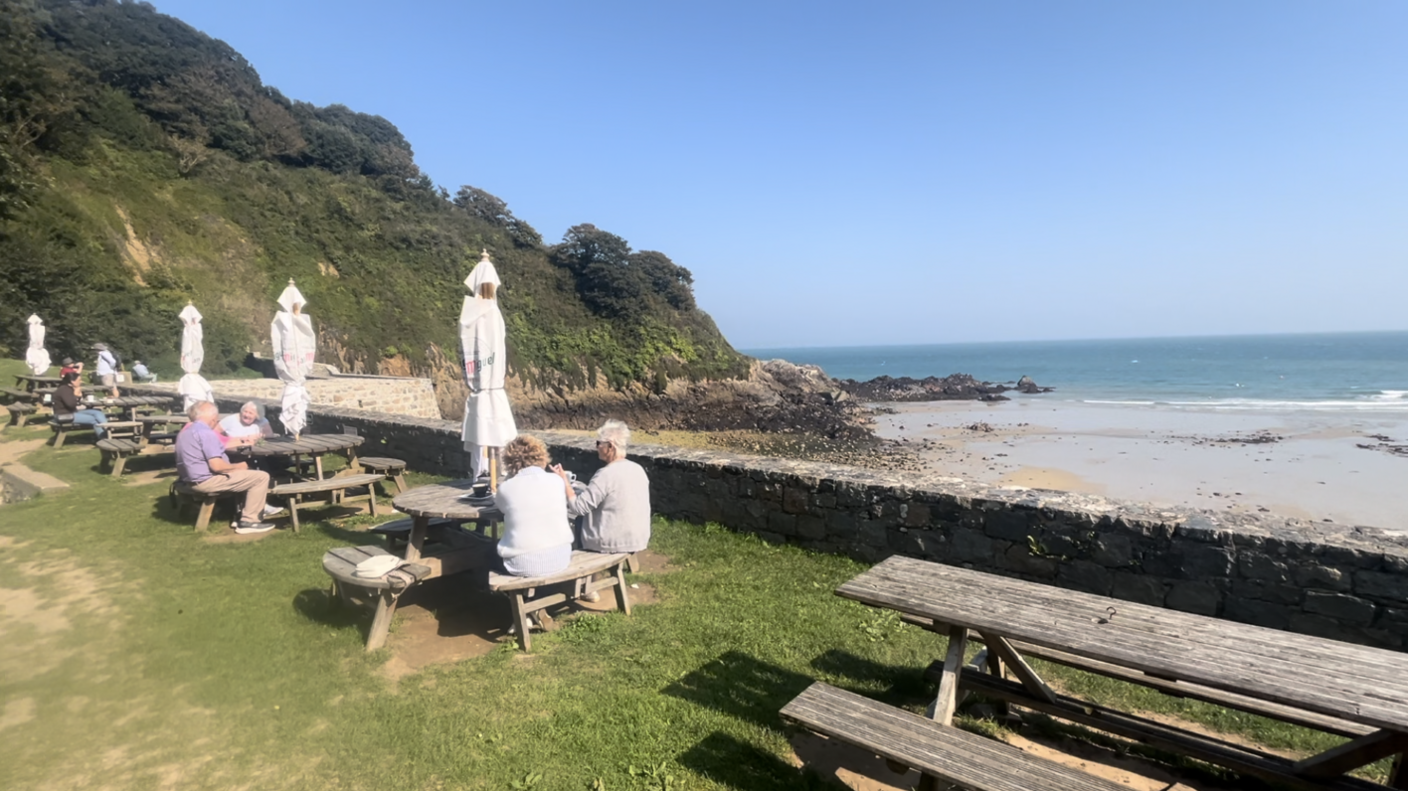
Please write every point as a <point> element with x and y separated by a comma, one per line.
<point>71,367</point>
<point>140,373</point>
<point>107,368</point>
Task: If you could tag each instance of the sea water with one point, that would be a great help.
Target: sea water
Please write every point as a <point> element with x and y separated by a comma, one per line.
<point>1338,372</point>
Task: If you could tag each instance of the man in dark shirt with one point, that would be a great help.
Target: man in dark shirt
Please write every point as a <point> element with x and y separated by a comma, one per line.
<point>69,407</point>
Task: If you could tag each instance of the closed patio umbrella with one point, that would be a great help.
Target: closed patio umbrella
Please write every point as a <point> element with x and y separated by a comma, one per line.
<point>488,418</point>
<point>193,386</point>
<point>36,357</point>
<point>294,345</point>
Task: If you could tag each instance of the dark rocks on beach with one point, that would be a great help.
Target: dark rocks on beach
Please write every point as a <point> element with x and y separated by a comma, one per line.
<point>955,387</point>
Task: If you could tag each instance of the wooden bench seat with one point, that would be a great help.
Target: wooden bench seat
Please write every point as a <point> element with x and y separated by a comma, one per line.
<point>335,488</point>
<point>583,565</point>
<point>19,413</point>
<point>395,469</point>
<point>183,493</point>
<point>63,427</point>
<point>938,751</point>
<point>341,562</point>
<point>115,453</point>
<point>18,396</point>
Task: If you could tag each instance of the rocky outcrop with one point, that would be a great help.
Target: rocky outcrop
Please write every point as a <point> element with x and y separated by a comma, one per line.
<point>777,397</point>
<point>955,387</point>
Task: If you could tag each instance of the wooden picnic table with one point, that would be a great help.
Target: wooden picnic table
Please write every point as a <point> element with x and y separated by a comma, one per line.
<point>150,422</point>
<point>31,382</point>
<point>1363,688</point>
<point>438,501</point>
<point>313,446</point>
<point>131,403</point>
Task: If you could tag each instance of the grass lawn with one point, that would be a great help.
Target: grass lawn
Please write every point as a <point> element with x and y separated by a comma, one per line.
<point>136,654</point>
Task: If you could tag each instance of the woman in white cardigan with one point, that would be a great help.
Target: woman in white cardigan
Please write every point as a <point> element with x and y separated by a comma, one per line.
<point>537,537</point>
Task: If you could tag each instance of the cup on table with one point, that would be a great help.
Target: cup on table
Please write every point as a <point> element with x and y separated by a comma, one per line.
<point>480,490</point>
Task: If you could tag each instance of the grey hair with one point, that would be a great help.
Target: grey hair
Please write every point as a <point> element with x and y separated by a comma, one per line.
<point>199,407</point>
<point>250,405</point>
<point>615,432</point>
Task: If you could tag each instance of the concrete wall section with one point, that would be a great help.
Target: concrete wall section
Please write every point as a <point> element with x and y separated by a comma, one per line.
<point>387,394</point>
<point>1339,582</point>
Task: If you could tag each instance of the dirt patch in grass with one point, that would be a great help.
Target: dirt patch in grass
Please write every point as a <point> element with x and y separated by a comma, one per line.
<point>448,620</point>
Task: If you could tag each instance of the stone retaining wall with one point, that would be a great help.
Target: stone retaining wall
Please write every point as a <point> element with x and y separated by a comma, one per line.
<point>387,394</point>
<point>1340,582</point>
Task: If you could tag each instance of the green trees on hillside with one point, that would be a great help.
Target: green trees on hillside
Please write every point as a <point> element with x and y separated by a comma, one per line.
<point>143,163</point>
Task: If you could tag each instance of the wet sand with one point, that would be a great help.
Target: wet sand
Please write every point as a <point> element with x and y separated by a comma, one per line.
<point>1164,456</point>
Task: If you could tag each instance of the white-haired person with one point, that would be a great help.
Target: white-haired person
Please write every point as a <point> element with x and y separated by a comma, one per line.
<point>537,538</point>
<point>615,508</point>
<point>246,427</point>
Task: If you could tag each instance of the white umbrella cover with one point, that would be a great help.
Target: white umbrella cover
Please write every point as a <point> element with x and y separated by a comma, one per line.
<point>488,418</point>
<point>193,386</point>
<point>294,346</point>
<point>36,357</point>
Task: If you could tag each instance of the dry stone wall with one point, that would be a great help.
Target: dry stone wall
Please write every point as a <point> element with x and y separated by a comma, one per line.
<point>387,394</point>
<point>1346,583</point>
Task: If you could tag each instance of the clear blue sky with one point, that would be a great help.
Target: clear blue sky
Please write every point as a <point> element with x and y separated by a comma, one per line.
<point>926,172</point>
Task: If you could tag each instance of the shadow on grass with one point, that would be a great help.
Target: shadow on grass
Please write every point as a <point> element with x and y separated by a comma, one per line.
<point>901,683</point>
<point>319,606</point>
<point>741,686</point>
<point>738,764</point>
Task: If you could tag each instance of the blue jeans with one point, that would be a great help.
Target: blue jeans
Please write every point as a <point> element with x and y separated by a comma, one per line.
<point>91,417</point>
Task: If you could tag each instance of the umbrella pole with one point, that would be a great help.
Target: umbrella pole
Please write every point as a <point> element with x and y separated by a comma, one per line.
<point>494,470</point>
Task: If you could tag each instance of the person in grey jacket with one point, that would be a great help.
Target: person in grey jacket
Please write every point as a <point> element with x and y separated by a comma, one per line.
<point>616,504</point>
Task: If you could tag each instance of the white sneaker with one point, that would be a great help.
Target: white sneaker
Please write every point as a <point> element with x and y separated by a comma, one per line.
<point>593,597</point>
<point>246,528</point>
<point>270,510</point>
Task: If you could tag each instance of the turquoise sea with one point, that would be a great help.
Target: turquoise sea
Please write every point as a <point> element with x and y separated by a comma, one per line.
<point>1338,372</point>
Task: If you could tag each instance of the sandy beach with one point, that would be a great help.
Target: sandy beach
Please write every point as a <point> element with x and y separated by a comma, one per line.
<point>1302,464</point>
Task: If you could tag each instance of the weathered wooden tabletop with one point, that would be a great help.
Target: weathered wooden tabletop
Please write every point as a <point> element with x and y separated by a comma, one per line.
<point>439,501</point>
<point>31,382</point>
<point>1352,682</point>
<point>305,445</point>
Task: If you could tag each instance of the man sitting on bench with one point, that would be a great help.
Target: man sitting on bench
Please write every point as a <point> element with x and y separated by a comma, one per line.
<point>202,463</point>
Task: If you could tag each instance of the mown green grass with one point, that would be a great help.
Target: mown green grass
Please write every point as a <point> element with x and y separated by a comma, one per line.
<point>147,654</point>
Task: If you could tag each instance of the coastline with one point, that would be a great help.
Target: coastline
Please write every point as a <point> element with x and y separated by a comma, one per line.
<point>1302,464</point>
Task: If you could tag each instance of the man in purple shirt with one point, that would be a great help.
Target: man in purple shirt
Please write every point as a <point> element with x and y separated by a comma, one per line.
<point>201,462</point>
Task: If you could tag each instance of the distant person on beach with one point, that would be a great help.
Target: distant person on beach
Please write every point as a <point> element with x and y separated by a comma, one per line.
<point>107,368</point>
<point>246,427</point>
<point>537,536</point>
<point>69,407</point>
<point>202,463</point>
<point>616,505</point>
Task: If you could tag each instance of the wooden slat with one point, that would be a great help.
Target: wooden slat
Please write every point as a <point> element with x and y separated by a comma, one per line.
<point>1353,754</point>
<point>583,564</point>
<point>1365,685</point>
<point>441,501</point>
<point>947,700</point>
<point>331,484</point>
<point>1019,667</point>
<point>965,759</point>
<point>1239,758</point>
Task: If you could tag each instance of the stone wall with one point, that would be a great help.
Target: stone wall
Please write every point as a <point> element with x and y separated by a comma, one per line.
<point>394,395</point>
<point>1340,582</point>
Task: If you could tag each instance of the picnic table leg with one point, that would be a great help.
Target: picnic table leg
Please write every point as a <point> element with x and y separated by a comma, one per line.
<point>293,502</point>
<point>1398,775</point>
<point>520,620</point>
<point>623,600</point>
<point>381,622</point>
<point>420,525</point>
<point>947,700</point>
<point>119,461</point>
<point>317,464</point>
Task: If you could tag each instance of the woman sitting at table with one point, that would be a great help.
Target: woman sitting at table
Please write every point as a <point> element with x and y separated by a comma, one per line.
<point>245,428</point>
<point>537,538</point>
<point>616,505</point>
<point>69,407</point>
